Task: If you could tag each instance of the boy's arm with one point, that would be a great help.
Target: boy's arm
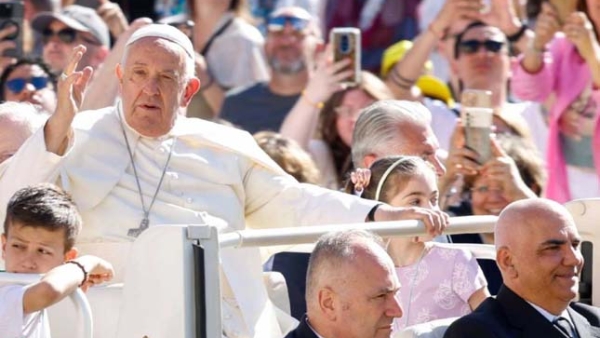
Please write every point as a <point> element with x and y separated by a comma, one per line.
<point>63,280</point>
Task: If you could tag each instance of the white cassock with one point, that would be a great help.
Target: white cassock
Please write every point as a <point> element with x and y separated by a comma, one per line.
<point>217,175</point>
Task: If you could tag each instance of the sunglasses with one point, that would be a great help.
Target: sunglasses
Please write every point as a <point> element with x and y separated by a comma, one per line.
<point>472,46</point>
<point>17,85</point>
<point>277,24</point>
<point>65,35</point>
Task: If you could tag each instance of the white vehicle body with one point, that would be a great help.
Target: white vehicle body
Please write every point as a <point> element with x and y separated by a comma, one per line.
<point>172,282</point>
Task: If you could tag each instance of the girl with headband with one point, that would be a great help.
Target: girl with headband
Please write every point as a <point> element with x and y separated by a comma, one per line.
<point>437,281</point>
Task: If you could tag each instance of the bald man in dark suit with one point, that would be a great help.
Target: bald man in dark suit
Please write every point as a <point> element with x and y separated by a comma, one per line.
<point>537,251</point>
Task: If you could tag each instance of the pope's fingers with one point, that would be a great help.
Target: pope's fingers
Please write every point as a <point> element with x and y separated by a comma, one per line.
<point>74,59</point>
<point>69,80</point>
<point>82,81</point>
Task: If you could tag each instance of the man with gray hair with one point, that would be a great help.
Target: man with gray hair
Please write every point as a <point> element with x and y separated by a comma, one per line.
<point>393,127</point>
<point>351,288</point>
<point>140,163</point>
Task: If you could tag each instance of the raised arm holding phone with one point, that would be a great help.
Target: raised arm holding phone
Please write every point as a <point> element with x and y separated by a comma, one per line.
<point>563,60</point>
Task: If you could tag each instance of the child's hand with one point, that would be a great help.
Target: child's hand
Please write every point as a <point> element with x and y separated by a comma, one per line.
<point>99,271</point>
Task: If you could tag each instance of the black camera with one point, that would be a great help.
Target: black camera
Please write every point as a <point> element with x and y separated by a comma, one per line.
<point>11,14</point>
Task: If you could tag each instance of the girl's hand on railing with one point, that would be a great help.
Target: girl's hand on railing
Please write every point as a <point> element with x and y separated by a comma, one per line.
<point>435,221</point>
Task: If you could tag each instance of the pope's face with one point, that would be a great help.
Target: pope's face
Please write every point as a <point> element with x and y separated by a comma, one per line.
<point>154,85</point>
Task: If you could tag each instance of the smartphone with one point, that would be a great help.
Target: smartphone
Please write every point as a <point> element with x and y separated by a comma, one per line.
<point>346,44</point>
<point>11,14</point>
<point>93,4</point>
<point>477,117</point>
<point>563,8</point>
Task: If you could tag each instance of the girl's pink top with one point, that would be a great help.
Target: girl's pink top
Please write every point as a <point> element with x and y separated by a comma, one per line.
<point>445,280</point>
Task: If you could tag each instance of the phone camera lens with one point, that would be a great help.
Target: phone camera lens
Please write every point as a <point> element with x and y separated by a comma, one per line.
<point>345,44</point>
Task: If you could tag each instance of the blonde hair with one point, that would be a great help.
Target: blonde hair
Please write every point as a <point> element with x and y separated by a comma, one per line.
<point>288,154</point>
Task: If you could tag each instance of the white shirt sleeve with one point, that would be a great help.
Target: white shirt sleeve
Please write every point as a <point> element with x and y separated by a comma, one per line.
<point>13,322</point>
<point>11,310</point>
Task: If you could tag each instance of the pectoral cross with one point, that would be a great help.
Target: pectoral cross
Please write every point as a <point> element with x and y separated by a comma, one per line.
<point>135,232</point>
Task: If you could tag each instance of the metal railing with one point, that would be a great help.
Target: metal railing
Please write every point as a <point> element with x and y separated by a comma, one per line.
<point>213,242</point>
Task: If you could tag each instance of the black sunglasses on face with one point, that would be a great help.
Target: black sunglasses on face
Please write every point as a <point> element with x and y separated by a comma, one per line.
<point>17,84</point>
<point>472,46</point>
<point>66,35</point>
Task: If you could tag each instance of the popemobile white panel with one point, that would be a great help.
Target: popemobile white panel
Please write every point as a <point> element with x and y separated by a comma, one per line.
<point>586,213</point>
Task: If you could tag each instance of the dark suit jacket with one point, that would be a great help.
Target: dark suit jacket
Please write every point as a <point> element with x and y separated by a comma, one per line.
<point>509,316</point>
<point>302,331</point>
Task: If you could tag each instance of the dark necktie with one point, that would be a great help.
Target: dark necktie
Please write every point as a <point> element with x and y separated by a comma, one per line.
<point>564,326</point>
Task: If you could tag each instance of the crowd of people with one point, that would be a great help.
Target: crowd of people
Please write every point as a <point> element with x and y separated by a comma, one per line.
<point>112,123</point>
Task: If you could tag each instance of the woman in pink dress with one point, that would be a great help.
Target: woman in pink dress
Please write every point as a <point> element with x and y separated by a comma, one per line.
<point>437,281</point>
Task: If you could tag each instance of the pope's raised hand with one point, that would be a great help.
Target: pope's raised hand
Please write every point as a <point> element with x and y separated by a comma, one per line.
<point>70,92</point>
<point>72,84</point>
